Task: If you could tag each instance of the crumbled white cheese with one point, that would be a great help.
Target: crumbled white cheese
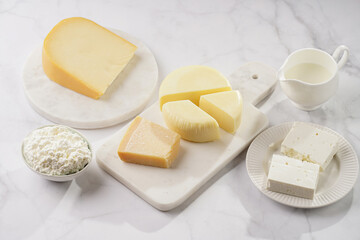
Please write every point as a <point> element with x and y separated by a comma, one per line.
<point>56,150</point>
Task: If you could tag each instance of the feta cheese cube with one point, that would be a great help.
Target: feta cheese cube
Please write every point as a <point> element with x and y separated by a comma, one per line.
<point>307,143</point>
<point>293,177</point>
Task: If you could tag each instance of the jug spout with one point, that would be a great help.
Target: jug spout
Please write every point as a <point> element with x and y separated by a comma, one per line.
<point>281,76</point>
<point>289,86</point>
<point>291,81</point>
<point>281,73</point>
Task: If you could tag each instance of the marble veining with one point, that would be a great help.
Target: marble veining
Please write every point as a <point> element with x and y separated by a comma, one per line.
<point>223,34</point>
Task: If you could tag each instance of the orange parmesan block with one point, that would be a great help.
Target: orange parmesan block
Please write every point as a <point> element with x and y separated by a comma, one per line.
<point>148,143</point>
<point>84,56</point>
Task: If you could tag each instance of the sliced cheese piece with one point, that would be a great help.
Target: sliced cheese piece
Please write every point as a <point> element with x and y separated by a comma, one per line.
<point>84,57</point>
<point>192,123</point>
<point>293,177</point>
<point>149,144</point>
<point>308,143</point>
<point>190,82</point>
<point>225,107</point>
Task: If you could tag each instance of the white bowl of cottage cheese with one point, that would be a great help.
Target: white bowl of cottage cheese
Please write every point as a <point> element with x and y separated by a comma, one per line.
<point>56,152</point>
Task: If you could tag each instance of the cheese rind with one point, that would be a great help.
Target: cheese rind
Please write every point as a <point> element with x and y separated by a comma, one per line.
<point>84,57</point>
<point>293,177</point>
<point>192,123</point>
<point>225,107</point>
<point>149,144</point>
<point>307,143</point>
<point>190,82</point>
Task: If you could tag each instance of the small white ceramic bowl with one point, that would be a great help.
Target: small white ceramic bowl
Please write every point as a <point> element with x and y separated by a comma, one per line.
<point>60,178</point>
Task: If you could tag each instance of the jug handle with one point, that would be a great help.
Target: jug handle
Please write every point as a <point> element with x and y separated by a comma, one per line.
<point>345,54</point>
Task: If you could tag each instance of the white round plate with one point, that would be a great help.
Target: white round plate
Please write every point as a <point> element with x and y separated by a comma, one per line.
<point>126,96</point>
<point>334,183</point>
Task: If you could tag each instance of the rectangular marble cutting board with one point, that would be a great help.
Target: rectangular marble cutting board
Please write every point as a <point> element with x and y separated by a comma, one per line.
<point>196,163</point>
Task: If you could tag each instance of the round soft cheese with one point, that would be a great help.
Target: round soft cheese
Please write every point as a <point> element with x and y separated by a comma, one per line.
<point>190,82</point>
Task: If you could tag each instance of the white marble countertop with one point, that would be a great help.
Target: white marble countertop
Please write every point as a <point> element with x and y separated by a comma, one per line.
<point>223,34</point>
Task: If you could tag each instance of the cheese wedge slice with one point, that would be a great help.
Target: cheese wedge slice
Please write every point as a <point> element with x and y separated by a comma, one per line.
<point>192,123</point>
<point>225,107</point>
<point>190,82</point>
<point>84,57</point>
<point>149,144</point>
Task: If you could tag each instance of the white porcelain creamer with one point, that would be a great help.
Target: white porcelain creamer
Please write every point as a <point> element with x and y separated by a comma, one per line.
<point>309,76</point>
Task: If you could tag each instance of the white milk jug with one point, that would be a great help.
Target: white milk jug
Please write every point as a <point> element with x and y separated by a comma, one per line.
<point>309,76</point>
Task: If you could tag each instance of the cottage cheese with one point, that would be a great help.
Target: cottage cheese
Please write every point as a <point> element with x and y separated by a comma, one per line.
<point>56,150</point>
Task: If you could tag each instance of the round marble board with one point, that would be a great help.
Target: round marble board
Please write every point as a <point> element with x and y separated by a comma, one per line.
<point>125,98</point>
<point>334,182</point>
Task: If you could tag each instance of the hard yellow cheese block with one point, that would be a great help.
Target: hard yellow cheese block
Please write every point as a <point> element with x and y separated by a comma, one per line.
<point>192,123</point>
<point>149,144</point>
<point>190,82</point>
<point>84,57</point>
<point>225,107</point>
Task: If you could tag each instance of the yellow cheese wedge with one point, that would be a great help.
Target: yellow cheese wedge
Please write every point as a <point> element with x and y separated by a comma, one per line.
<point>192,123</point>
<point>190,82</point>
<point>149,144</point>
<point>225,107</point>
<point>84,57</point>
